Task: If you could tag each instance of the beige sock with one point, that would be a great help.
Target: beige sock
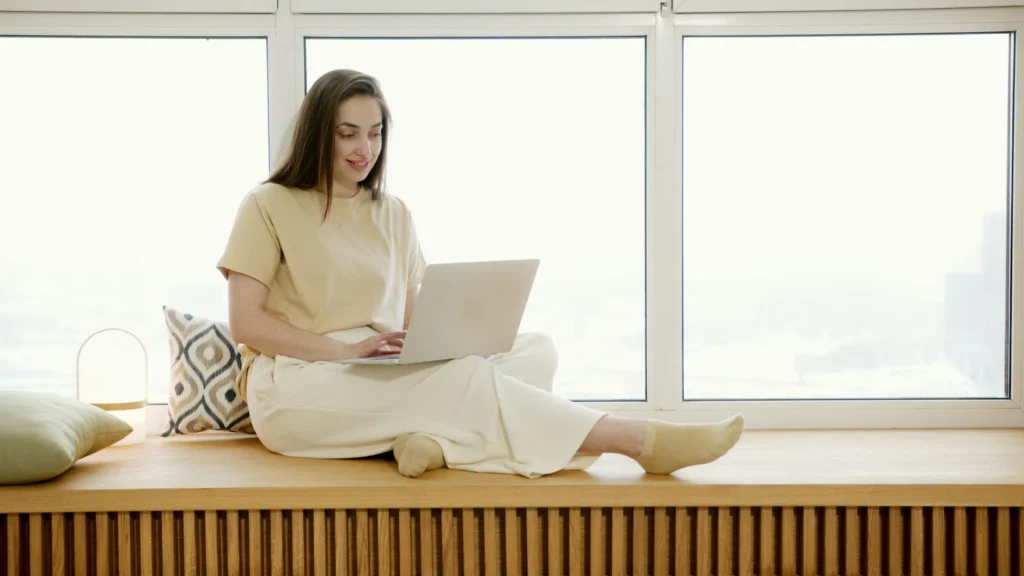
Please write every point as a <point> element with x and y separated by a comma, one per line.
<point>416,454</point>
<point>669,447</point>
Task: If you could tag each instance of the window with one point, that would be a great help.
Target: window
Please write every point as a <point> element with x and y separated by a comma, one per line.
<point>520,148</point>
<point>471,6</point>
<point>720,6</point>
<point>124,163</point>
<point>845,216</point>
<point>160,6</point>
<point>800,210</point>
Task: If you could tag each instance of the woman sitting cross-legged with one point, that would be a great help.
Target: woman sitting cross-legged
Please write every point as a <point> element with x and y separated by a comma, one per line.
<point>323,266</point>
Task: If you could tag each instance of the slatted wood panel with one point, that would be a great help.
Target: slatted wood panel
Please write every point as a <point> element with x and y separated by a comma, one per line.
<point>575,541</point>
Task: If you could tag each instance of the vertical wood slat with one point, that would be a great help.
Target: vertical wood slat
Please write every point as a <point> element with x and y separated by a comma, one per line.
<point>147,544</point>
<point>832,542</point>
<point>405,543</point>
<point>255,523</point>
<point>427,556</point>
<point>234,544</point>
<point>534,548</point>
<point>124,544</point>
<point>725,542</point>
<point>449,541</point>
<point>597,536</point>
<point>1020,541</point>
<point>102,546</point>
<point>341,555</point>
<point>81,524</point>
<point>576,546</point>
<point>554,533</point>
<point>617,536</point>
<point>385,541</point>
<point>852,537</point>
<point>662,543</point>
<point>745,553</point>
<point>277,539</point>
<point>188,543</point>
<point>788,534</point>
<point>895,541</point>
<point>810,541</point>
<point>14,544</point>
<point>767,552</point>
<point>212,539</point>
<point>469,542</point>
<point>513,554</point>
<point>640,539</point>
<point>917,542</point>
<point>35,544</point>
<point>874,559</point>
<point>704,540</point>
<point>960,540</point>
<point>1003,545</point>
<point>490,529</point>
<point>981,538</point>
<point>58,546</point>
<point>938,541</point>
<point>684,552</point>
<point>618,541</point>
<point>362,542</point>
<point>168,554</point>
<point>297,541</point>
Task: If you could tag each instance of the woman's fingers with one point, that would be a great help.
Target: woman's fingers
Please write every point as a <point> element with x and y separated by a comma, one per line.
<point>373,345</point>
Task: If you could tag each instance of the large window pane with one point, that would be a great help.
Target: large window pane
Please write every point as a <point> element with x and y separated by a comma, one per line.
<point>521,148</point>
<point>124,163</point>
<point>845,216</point>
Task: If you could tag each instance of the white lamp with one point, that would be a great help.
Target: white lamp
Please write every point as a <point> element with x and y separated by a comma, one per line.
<point>112,374</point>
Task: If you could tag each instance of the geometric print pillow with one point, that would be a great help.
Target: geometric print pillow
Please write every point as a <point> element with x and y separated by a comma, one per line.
<point>204,366</point>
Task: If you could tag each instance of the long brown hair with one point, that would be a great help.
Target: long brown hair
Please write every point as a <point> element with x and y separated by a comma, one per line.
<point>310,160</point>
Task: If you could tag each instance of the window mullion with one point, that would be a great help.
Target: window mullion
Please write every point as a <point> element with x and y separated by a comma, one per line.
<point>282,71</point>
<point>664,220</point>
<point>1016,285</point>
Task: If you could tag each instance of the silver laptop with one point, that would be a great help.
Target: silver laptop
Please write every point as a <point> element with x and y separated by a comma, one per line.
<point>465,309</point>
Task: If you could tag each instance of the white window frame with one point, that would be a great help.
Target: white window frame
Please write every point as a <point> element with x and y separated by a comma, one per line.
<point>473,6</point>
<point>142,6</point>
<point>865,413</point>
<point>698,6</point>
<point>286,31</point>
<point>660,327</point>
<point>280,103</point>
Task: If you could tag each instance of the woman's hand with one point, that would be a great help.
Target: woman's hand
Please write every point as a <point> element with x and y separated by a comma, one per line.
<point>378,345</point>
<point>251,324</point>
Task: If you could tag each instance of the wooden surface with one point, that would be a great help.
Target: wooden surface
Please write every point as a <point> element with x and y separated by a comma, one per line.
<point>777,468</point>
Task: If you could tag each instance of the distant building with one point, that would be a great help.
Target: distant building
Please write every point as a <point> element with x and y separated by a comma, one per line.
<point>976,309</point>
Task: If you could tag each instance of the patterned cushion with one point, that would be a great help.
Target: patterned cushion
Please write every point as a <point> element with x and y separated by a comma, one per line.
<point>204,365</point>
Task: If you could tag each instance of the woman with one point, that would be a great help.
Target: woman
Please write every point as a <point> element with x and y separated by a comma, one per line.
<point>322,266</point>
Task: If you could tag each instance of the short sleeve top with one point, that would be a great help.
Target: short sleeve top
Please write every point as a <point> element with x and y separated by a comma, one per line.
<point>348,271</point>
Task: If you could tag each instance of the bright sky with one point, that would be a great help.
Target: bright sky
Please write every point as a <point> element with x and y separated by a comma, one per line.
<point>825,168</point>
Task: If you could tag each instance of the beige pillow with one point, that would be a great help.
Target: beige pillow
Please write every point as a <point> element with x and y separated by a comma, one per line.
<point>43,435</point>
<point>204,369</point>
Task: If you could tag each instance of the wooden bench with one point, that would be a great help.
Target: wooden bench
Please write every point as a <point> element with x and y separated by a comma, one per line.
<point>795,502</point>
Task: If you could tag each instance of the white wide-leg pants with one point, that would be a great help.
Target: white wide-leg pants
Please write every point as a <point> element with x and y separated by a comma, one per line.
<point>488,414</point>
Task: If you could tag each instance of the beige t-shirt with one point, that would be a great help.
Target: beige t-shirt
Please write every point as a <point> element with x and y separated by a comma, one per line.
<point>351,270</point>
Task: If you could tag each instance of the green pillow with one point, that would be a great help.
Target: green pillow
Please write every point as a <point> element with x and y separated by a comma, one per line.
<point>43,435</point>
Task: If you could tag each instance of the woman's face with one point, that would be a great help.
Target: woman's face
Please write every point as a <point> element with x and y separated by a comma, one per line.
<point>357,140</point>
